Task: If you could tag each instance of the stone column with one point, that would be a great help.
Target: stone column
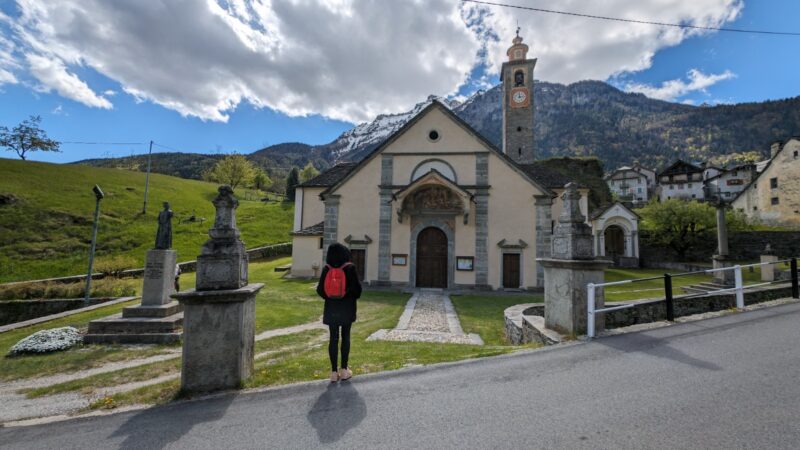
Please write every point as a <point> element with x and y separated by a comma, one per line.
<point>544,232</point>
<point>570,268</point>
<point>219,314</point>
<point>385,221</point>
<point>722,258</point>
<point>768,270</point>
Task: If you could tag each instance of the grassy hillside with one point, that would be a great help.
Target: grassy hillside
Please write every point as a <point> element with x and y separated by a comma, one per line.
<point>46,218</point>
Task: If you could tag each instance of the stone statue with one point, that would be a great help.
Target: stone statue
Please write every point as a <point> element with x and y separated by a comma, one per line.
<point>164,233</point>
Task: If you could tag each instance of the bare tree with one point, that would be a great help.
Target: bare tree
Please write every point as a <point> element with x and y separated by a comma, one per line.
<point>27,137</point>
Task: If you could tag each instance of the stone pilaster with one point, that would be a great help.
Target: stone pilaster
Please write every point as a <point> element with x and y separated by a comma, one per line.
<point>544,233</point>
<point>482,220</point>
<point>331,227</point>
<point>385,220</point>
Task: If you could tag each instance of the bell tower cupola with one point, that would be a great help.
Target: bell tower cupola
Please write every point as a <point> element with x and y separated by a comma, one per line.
<point>517,79</point>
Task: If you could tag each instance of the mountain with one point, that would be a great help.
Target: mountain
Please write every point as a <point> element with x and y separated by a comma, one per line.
<point>587,118</point>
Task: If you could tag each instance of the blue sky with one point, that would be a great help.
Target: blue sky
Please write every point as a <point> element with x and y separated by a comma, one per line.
<point>192,96</point>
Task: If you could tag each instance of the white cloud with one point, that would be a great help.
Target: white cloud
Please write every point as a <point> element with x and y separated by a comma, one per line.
<point>673,89</point>
<point>109,92</point>
<point>343,59</point>
<point>7,62</point>
<point>575,48</point>
<point>54,75</point>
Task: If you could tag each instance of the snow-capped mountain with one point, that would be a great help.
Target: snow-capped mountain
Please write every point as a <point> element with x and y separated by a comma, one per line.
<point>353,144</point>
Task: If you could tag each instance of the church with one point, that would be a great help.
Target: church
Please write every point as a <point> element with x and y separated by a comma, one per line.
<point>436,205</point>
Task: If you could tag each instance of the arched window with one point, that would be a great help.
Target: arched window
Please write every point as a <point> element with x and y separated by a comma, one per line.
<point>519,78</point>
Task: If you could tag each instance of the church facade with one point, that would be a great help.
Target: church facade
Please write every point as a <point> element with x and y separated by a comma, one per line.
<point>437,205</point>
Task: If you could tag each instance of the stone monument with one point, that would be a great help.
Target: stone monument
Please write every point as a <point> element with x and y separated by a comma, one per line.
<point>722,258</point>
<point>570,268</point>
<point>158,319</point>
<point>768,270</point>
<point>219,314</point>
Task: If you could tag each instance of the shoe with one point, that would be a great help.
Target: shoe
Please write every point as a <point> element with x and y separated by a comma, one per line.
<point>334,377</point>
<point>345,374</point>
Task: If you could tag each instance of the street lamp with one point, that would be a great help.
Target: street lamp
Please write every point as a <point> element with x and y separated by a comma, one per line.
<point>98,193</point>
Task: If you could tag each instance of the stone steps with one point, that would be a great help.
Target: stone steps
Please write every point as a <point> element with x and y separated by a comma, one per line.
<point>116,324</point>
<point>133,338</point>
<point>167,310</point>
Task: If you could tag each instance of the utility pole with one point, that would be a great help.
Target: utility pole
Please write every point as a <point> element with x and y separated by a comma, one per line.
<point>98,196</point>
<point>147,178</point>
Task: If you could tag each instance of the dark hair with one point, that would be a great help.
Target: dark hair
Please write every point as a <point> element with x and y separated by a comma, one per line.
<point>338,254</point>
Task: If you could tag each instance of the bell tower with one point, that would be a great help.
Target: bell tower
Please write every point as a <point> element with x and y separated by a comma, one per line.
<point>517,79</point>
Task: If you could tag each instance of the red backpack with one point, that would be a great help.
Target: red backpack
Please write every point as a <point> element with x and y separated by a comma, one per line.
<point>336,282</point>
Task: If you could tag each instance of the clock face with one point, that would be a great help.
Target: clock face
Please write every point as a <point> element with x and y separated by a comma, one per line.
<point>519,97</point>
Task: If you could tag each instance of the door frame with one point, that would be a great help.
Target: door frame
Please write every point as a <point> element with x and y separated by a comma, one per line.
<point>363,247</point>
<point>442,225</point>
<point>521,268</point>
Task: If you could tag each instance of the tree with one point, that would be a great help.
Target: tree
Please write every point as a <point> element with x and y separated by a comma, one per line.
<point>27,137</point>
<point>291,183</point>
<point>261,180</point>
<point>680,225</point>
<point>233,170</point>
<point>308,172</point>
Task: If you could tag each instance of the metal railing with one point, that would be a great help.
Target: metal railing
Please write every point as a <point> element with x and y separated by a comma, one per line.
<point>669,298</point>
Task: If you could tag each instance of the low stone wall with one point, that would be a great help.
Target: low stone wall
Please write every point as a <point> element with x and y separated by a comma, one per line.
<point>673,267</point>
<point>743,246</point>
<point>522,321</point>
<point>647,311</point>
<point>269,251</point>
<point>13,311</point>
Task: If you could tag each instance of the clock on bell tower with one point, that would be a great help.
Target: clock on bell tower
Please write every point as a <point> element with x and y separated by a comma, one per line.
<point>517,79</point>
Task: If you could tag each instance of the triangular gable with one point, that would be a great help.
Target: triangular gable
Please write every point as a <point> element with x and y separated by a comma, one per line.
<point>600,213</point>
<point>432,177</point>
<point>679,163</point>
<point>435,104</point>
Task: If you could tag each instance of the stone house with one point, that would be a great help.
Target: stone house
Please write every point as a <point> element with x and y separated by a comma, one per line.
<point>631,184</point>
<point>438,205</point>
<point>729,182</point>
<point>773,196</point>
<point>683,180</point>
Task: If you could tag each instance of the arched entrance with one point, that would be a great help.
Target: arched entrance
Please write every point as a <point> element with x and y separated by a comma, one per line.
<point>615,241</point>
<point>432,258</point>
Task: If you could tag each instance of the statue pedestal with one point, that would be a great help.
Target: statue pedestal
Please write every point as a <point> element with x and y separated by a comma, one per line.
<point>565,293</point>
<point>218,338</point>
<point>159,277</point>
<point>725,277</point>
<point>157,320</point>
<point>768,270</point>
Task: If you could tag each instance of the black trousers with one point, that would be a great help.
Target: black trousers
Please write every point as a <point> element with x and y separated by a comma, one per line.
<point>333,345</point>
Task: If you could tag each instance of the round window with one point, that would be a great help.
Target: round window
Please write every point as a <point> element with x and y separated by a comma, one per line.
<point>433,135</point>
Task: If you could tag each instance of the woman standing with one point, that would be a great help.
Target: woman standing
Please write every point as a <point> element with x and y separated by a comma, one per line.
<point>340,312</point>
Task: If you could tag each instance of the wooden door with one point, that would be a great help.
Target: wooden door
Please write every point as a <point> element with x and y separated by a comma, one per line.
<point>359,259</point>
<point>511,270</point>
<point>432,258</point>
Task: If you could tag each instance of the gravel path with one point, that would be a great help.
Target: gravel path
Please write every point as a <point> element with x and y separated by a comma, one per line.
<point>17,406</point>
<point>429,317</point>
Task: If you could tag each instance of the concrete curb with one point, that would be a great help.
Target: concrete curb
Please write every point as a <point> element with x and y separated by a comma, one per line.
<point>38,320</point>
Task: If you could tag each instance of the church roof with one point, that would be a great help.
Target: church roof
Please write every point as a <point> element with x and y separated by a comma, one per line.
<point>345,172</point>
<point>546,176</point>
<point>330,176</point>
<point>313,230</point>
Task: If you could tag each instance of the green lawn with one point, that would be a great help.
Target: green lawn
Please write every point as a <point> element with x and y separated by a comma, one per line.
<point>484,314</point>
<point>655,288</point>
<point>46,232</point>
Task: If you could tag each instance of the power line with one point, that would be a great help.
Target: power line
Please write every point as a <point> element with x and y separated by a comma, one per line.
<point>102,143</point>
<point>646,22</point>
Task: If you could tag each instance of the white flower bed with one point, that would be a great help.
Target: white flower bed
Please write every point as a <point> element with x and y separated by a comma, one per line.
<point>45,341</point>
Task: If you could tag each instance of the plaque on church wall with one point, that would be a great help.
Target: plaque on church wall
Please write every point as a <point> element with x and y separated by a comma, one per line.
<point>465,263</point>
<point>399,260</point>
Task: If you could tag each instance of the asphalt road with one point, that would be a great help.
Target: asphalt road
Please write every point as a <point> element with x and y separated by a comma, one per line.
<point>729,382</point>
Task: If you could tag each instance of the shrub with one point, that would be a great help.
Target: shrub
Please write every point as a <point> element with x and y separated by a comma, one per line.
<point>45,341</point>
<point>108,287</point>
<point>114,265</point>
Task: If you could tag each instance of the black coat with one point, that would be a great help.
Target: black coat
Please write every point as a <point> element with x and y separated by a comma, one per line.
<point>340,311</point>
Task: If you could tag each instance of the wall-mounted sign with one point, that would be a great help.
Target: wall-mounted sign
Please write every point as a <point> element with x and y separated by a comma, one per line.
<point>399,260</point>
<point>465,263</point>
